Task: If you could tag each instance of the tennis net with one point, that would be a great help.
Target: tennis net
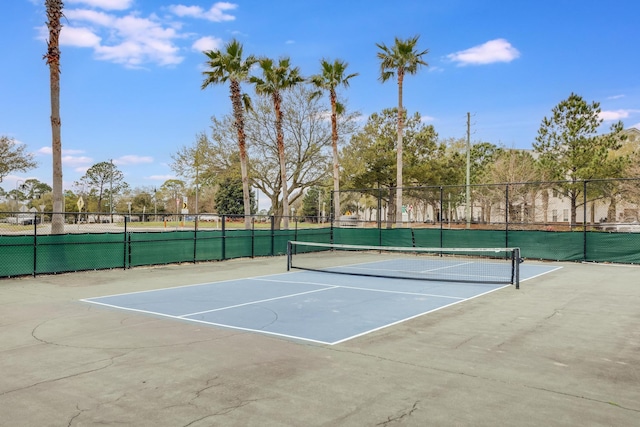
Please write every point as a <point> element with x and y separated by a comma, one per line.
<point>468,265</point>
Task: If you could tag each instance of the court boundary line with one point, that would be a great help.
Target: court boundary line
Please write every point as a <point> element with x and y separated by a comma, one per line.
<point>358,288</point>
<point>258,301</point>
<point>222,325</point>
<point>187,286</point>
<point>294,337</point>
<point>397,322</point>
<point>326,287</point>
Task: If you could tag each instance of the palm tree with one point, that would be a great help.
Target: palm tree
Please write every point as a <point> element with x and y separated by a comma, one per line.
<point>54,15</point>
<point>276,79</point>
<point>399,59</point>
<point>228,66</point>
<point>332,76</point>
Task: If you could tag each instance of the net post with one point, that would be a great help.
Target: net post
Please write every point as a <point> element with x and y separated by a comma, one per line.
<point>289,255</point>
<point>516,267</point>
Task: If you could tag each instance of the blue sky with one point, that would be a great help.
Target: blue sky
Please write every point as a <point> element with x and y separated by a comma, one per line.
<point>132,69</point>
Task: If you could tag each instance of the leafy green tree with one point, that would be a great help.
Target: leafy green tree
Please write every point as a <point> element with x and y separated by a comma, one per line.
<point>105,180</point>
<point>312,203</point>
<point>70,203</point>
<point>34,189</point>
<point>571,149</point>
<point>172,191</point>
<point>228,66</point>
<point>13,157</point>
<point>277,78</point>
<point>482,156</point>
<point>396,61</point>
<point>332,76</point>
<point>142,202</point>
<point>229,199</point>
<point>52,57</point>
<point>368,160</point>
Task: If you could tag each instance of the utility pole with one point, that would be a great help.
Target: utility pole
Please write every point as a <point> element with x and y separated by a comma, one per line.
<point>111,192</point>
<point>468,194</point>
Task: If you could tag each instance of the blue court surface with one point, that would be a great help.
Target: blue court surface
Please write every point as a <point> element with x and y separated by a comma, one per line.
<point>311,306</point>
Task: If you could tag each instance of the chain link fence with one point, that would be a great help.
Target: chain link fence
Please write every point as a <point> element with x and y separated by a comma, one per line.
<point>599,205</point>
<point>569,221</point>
<point>93,241</point>
<point>597,220</point>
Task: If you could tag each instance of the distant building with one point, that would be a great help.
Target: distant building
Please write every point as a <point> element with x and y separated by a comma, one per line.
<point>633,135</point>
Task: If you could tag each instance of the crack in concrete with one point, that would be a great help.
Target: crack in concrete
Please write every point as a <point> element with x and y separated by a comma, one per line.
<point>44,341</point>
<point>77,374</point>
<point>223,411</point>
<point>466,374</point>
<point>404,414</point>
<point>75,416</point>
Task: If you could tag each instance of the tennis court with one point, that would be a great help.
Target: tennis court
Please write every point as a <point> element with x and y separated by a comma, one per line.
<point>325,308</point>
<point>560,351</point>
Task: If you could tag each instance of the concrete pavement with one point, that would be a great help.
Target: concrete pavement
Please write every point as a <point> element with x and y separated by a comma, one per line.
<point>564,350</point>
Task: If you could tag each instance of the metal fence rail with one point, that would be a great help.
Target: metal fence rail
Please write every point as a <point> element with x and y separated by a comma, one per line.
<point>599,205</point>
<point>594,221</point>
<point>31,249</point>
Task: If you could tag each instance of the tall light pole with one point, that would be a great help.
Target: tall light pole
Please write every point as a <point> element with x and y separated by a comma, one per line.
<point>155,204</point>
<point>196,191</point>
<point>111,192</point>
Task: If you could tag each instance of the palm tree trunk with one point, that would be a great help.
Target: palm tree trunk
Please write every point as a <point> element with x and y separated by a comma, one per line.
<point>239,124</point>
<point>54,15</point>
<point>283,168</point>
<point>336,164</point>
<point>399,151</point>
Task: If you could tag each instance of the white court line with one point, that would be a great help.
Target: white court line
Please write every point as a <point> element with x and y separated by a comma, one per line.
<point>258,301</point>
<point>188,286</point>
<point>448,266</point>
<point>358,288</point>
<point>414,316</point>
<point>222,325</point>
<point>600,264</point>
<point>327,287</point>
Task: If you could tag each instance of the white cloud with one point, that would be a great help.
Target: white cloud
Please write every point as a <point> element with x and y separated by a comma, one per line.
<point>215,14</point>
<point>70,158</point>
<point>425,119</point>
<point>131,40</point>
<point>162,178</point>
<point>182,10</point>
<point>498,50</point>
<point>91,16</point>
<point>81,162</point>
<point>104,4</point>
<point>46,150</point>
<point>123,36</point>
<point>207,43</point>
<point>132,159</point>
<point>78,37</point>
<point>615,97</point>
<point>290,42</point>
<point>608,116</point>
